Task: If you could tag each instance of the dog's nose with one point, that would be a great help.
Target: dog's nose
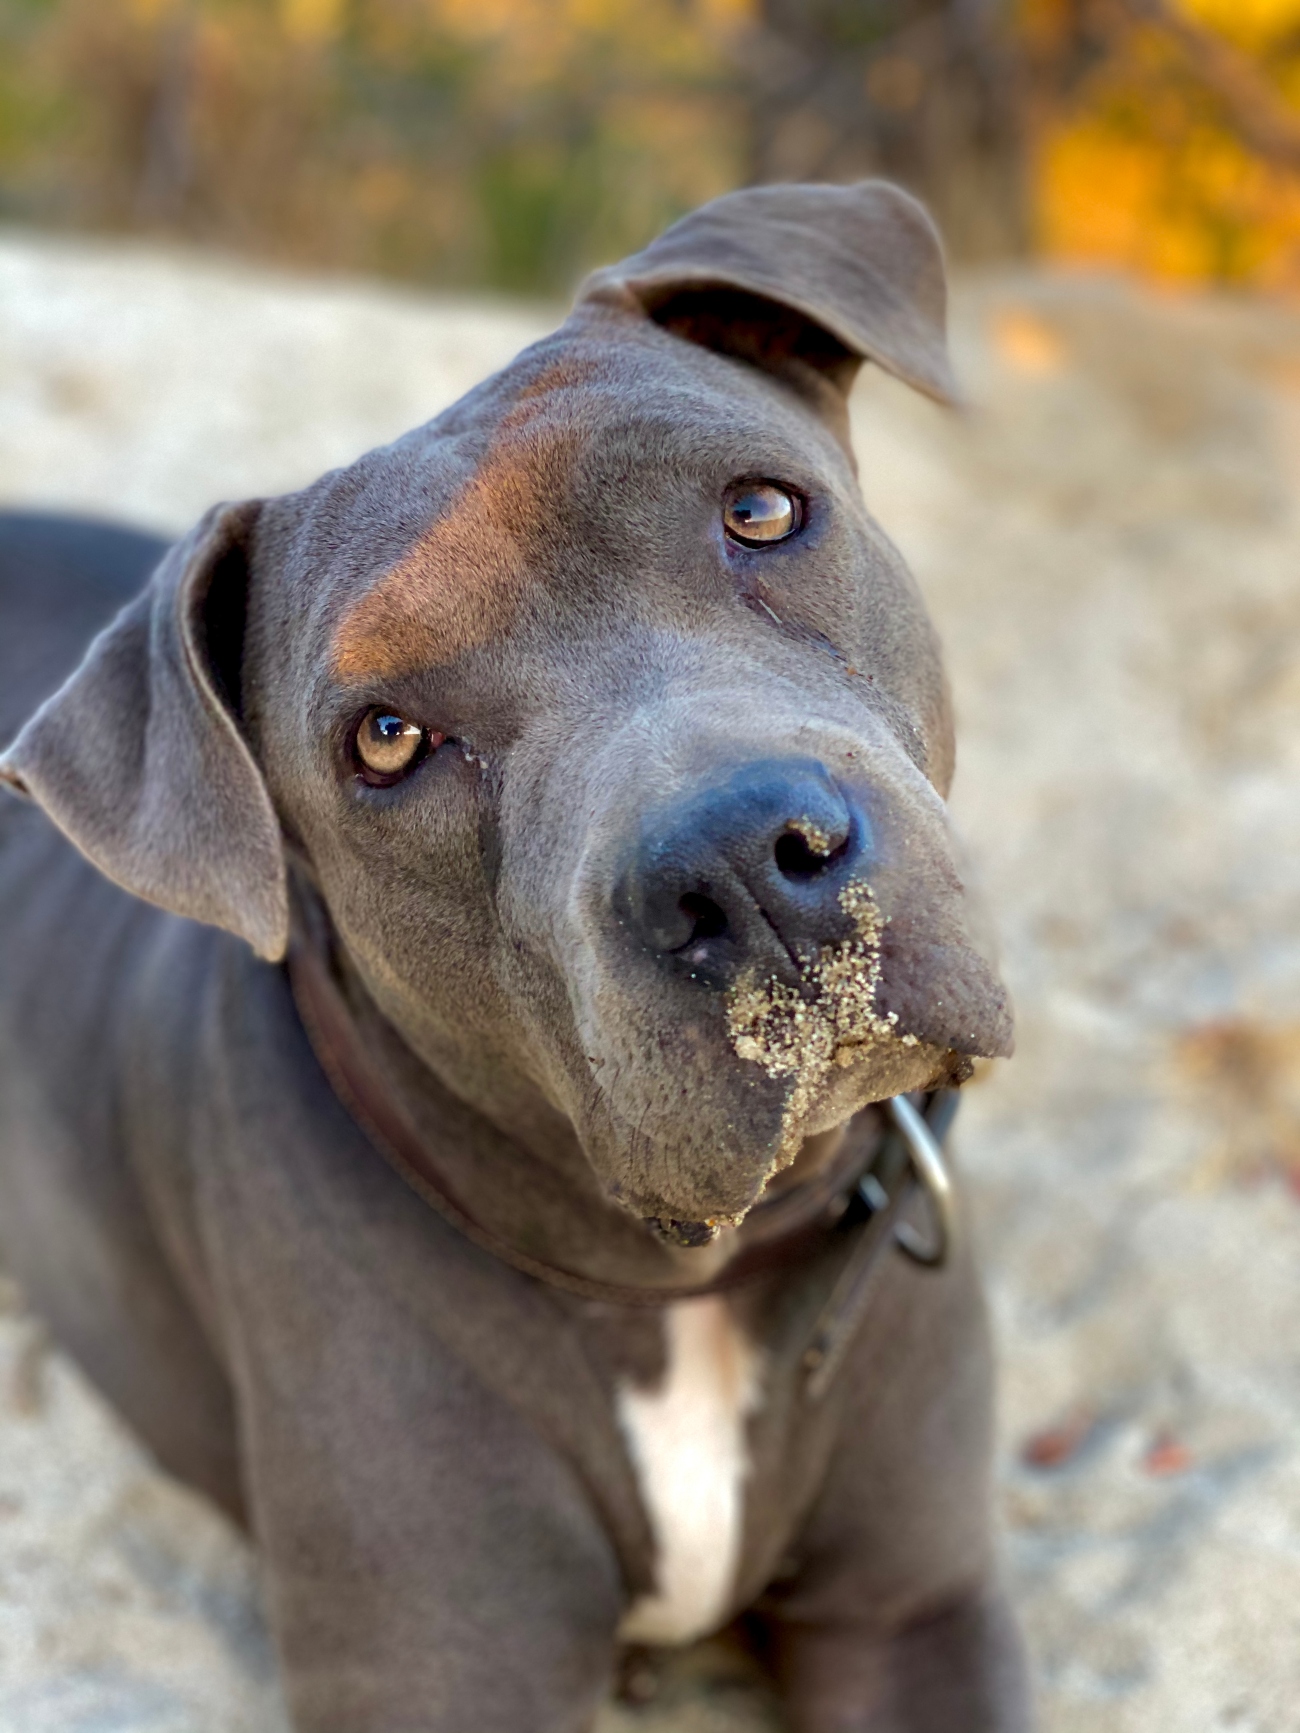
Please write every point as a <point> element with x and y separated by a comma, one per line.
<point>749,871</point>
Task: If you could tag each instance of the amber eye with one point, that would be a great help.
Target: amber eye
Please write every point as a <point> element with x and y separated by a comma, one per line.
<point>759,512</point>
<point>388,745</point>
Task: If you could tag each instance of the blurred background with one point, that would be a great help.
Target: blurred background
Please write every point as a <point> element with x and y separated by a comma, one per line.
<point>512,144</point>
<point>244,240</point>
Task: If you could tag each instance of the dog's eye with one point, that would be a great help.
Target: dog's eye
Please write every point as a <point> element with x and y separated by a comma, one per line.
<point>388,745</point>
<point>756,513</point>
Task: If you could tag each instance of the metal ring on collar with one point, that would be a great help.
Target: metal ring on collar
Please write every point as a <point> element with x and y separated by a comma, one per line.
<point>931,1169</point>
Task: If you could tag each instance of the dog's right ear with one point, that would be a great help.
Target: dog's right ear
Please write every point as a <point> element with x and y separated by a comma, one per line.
<point>805,282</point>
<point>139,757</point>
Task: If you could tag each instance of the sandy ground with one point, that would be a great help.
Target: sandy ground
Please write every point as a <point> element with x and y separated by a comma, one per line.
<point>1110,542</point>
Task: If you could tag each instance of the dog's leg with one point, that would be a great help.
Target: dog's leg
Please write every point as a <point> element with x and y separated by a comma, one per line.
<point>431,1565</point>
<point>959,1670</point>
<point>894,1622</point>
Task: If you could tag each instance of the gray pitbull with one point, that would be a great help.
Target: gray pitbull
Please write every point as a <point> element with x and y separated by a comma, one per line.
<point>516,1258</point>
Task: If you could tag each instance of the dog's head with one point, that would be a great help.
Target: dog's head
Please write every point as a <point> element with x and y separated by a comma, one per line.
<point>610,726</point>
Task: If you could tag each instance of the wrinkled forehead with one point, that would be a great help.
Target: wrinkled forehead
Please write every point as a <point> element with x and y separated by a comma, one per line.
<point>431,547</point>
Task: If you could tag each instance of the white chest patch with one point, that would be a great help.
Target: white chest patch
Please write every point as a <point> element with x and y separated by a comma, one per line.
<point>687,1440</point>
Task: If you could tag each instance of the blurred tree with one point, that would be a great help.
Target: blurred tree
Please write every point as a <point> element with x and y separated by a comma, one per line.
<point>1168,135</point>
<point>927,92</point>
<point>506,142</point>
<point>513,143</point>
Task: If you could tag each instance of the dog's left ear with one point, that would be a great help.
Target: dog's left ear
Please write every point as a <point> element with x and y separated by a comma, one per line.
<point>139,757</point>
<point>806,282</point>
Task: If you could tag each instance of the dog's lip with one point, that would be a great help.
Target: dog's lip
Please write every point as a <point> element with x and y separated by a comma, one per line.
<point>691,1236</point>
<point>816,1178</point>
<point>815,1155</point>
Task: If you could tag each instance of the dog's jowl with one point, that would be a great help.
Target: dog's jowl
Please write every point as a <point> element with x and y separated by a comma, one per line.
<point>484,968</point>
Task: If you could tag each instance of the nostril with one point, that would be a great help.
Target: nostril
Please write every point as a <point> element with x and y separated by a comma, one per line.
<point>744,871</point>
<point>802,855</point>
<point>707,920</point>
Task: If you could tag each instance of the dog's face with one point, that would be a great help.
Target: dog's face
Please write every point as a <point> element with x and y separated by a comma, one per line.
<point>610,726</point>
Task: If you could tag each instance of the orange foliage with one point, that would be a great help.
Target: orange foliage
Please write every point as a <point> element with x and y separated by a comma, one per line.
<point>1147,167</point>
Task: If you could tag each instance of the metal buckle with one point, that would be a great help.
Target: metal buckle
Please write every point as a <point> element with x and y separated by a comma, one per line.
<point>931,1169</point>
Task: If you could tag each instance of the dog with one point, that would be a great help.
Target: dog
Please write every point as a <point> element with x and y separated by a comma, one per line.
<point>478,944</point>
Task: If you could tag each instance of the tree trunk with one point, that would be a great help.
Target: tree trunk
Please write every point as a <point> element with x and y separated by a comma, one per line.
<point>925,92</point>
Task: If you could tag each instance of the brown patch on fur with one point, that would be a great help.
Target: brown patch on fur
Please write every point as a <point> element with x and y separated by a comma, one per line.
<point>461,584</point>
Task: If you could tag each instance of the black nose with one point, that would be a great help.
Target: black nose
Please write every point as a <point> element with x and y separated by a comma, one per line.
<point>747,872</point>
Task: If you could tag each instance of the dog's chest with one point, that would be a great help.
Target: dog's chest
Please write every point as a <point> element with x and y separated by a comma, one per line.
<point>687,1437</point>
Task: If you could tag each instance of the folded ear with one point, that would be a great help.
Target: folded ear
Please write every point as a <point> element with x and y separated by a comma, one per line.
<point>139,758</point>
<point>806,281</point>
